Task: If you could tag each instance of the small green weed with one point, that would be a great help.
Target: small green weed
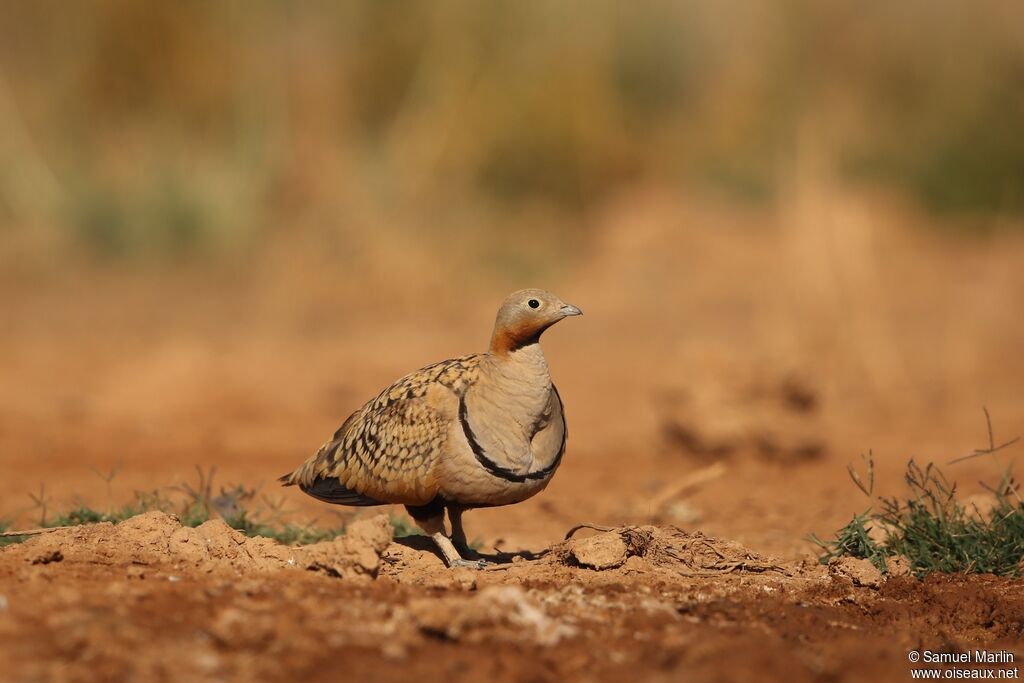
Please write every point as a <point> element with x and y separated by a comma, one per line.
<point>931,528</point>
<point>8,540</point>
<point>404,527</point>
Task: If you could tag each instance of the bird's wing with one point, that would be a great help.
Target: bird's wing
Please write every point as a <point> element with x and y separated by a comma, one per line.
<point>386,451</point>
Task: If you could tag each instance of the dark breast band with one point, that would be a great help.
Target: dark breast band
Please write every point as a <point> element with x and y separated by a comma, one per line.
<point>503,472</point>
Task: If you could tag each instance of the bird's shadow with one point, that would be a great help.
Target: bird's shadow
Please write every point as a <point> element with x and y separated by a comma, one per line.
<point>426,544</point>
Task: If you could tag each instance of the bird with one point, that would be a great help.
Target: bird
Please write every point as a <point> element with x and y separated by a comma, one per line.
<point>481,430</point>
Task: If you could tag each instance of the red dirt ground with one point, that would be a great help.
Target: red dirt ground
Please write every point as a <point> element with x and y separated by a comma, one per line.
<point>150,600</point>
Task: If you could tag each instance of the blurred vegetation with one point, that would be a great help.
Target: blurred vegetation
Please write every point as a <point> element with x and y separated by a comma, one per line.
<point>135,129</point>
<point>237,505</point>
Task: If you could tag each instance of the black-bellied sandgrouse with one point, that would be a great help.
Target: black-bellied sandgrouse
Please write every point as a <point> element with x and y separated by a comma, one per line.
<point>476,431</point>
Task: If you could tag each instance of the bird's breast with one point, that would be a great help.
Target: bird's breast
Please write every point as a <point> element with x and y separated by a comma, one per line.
<point>496,455</point>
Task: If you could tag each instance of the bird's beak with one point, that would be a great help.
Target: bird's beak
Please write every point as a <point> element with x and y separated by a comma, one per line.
<point>568,310</point>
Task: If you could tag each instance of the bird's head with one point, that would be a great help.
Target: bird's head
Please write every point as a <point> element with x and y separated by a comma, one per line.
<point>524,316</point>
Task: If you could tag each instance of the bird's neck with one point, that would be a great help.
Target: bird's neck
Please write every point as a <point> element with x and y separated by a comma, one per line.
<point>510,339</point>
<point>526,359</point>
<point>523,374</point>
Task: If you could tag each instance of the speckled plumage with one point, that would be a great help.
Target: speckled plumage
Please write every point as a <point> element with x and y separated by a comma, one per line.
<point>387,451</point>
<point>479,430</point>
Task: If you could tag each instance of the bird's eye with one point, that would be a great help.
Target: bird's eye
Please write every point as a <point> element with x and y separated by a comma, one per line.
<point>533,303</point>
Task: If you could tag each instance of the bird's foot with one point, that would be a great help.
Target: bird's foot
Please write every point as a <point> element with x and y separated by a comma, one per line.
<point>452,557</point>
<point>462,563</point>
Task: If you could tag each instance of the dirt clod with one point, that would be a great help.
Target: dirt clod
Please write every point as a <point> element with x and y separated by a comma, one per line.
<point>654,549</point>
<point>858,571</point>
<point>604,551</point>
<point>898,565</point>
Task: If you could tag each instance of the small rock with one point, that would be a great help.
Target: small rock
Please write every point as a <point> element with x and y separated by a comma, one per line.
<point>860,572</point>
<point>898,565</point>
<point>604,551</point>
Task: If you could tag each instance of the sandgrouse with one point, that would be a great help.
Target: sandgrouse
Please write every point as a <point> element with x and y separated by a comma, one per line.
<point>475,431</point>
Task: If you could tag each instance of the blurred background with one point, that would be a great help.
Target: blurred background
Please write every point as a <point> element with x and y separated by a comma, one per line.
<point>795,228</point>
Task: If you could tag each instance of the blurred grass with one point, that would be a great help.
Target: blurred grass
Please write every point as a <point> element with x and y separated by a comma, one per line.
<point>237,505</point>
<point>138,131</point>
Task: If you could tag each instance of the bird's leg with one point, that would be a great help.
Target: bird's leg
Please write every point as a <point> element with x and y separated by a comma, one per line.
<point>458,533</point>
<point>459,537</point>
<point>434,526</point>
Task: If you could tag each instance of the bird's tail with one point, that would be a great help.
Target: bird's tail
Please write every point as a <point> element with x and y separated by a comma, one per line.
<point>306,473</point>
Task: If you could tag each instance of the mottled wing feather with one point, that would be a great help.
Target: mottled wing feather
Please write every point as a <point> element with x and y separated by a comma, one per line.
<point>386,451</point>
